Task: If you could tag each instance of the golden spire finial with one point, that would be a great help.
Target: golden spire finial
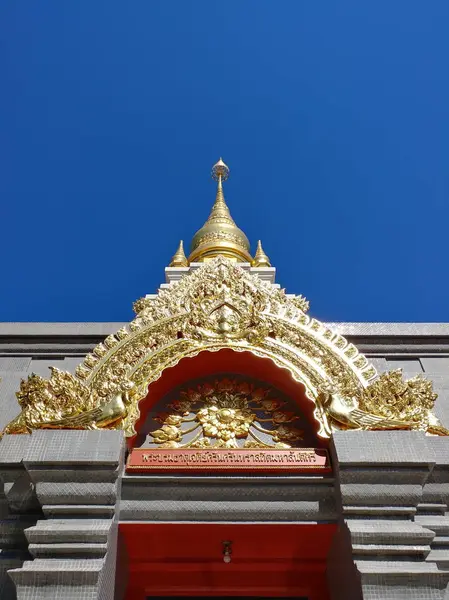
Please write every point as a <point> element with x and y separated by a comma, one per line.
<point>220,235</point>
<point>260,258</point>
<point>220,210</point>
<point>179,258</point>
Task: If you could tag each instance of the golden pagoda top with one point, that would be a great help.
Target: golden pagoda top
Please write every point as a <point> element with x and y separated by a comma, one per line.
<point>260,258</point>
<point>179,258</point>
<point>220,235</point>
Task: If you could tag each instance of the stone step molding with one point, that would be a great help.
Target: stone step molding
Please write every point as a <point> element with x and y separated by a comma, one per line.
<point>288,499</point>
<point>401,580</point>
<point>59,511</point>
<point>439,524</point>
<point>433,511</point>
<point>383,531</point>
<point>69,579</point>
<point>76,476</point>
<point>19,510</point>
<point>388,520</point>
<point>72,537</point>
<point>429,508</point>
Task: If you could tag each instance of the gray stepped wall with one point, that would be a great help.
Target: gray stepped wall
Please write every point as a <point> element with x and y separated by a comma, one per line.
<point>382,477</point>
<point>227,498</point>
<point>71,544</point>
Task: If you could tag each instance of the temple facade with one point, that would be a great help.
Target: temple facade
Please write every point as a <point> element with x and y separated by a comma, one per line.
<point>224,443</point>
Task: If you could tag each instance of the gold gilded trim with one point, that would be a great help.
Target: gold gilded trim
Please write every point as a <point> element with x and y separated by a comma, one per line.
<point>220,305</point>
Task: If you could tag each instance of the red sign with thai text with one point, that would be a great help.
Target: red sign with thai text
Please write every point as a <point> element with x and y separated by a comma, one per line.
<point>267,460</point>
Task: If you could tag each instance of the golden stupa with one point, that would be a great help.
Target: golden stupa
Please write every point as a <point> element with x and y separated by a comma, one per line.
<point>220,235</point>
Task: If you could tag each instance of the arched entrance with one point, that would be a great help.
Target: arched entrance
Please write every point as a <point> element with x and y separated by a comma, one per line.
<point>226,363</point>
<point>234,533</point>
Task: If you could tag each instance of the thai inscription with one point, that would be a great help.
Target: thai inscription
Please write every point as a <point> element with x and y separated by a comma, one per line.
<point>297,460</point>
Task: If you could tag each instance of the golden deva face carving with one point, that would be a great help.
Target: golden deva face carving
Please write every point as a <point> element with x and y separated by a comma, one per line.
<point>222,306</point>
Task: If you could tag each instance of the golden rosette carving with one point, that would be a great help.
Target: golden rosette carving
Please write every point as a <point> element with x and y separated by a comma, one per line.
<point>220,414</point>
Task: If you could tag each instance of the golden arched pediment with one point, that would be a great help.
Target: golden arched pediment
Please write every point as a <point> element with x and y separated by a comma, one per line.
<point>222,306</point>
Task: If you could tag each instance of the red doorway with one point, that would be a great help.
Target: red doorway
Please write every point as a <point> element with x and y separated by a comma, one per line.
<point>186,559</point>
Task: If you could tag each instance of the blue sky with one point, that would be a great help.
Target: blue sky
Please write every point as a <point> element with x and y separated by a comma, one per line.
<point>333,117</point>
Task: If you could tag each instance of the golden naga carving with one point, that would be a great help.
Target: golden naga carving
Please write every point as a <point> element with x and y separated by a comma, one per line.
<point>64,402</point>
<point>387,403</point>
<point>222,414</point>
<point>221,305</point>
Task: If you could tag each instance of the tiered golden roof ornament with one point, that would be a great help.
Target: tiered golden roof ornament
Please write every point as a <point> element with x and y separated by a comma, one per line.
<point>221,305</point>
<point>260,258</point>
<point>179,258</point>
<point>220,236</point>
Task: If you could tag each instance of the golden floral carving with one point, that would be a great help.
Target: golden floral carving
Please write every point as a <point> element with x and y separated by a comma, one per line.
<point>218,415</point>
